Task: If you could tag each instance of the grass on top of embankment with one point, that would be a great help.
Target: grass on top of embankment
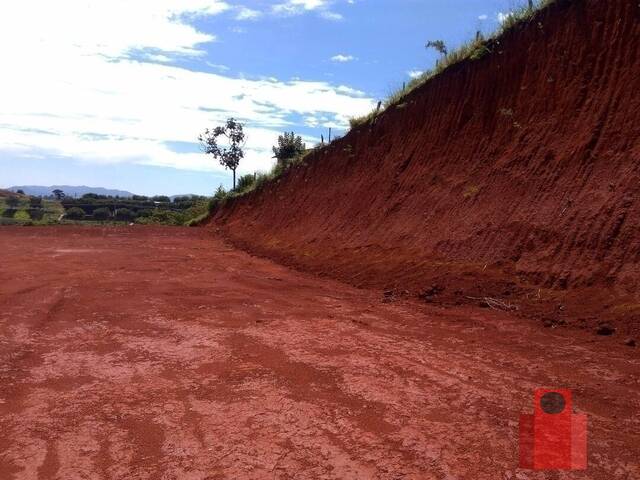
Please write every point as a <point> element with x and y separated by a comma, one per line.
<point>471,50</point>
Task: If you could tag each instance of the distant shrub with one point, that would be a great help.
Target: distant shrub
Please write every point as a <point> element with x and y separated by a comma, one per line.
<point>35,202</point>
<point>161,198</point>
<point>12,201</point>
<point>145,213</point>
<point>9,213</point>
<point>75,213</point>
<point>101,214</point>
<point>185,202</point>
<point>124,215</point>
<point>93,196</point>
<point>22,215</point>
<point>163,217</point>
<point>36,213</point>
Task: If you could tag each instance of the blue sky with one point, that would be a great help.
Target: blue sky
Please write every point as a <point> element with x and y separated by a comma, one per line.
<point>114,93</point>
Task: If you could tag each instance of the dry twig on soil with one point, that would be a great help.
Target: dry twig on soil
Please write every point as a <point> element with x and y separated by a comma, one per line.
<point>495,304</point>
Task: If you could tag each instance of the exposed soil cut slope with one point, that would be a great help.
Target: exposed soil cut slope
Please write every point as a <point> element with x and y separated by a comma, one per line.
<point>514,176</point>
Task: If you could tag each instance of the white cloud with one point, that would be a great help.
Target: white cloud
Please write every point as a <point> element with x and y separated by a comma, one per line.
<point>333,16</point>
<point>159,58</point>
<point>340,58</point>
<point>483,17</point>
<point>218,66</point>
<point>110,28</point>
<point>414,73</point>
<point>245,13</point>
<point>302,4</point>
<point>299,7</point>
<point>350,91</point>
<point>71,86</point>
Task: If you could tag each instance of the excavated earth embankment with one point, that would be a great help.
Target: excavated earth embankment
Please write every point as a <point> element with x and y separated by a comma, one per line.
<point>513,177</point>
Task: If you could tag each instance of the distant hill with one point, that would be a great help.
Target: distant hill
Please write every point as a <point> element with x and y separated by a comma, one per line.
<point>69,190</point>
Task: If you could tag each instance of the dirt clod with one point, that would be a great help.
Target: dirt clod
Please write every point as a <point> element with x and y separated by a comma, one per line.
<point>605,330</point>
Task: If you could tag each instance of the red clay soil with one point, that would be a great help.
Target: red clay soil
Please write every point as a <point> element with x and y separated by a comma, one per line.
<point>9,193</point>
<point>163,353</point>
<point>515,176</point>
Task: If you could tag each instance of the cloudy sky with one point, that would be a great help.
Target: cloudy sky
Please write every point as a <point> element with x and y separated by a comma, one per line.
<point>114,93</point>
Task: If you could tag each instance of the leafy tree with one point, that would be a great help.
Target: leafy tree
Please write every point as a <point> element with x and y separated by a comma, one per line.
<point>20,191</point>
<point>36,202</point>
<point>289,146</point>
<point>124,214</point>
<point>59,194</point>
<point>102,213</point>
<point>437,45</point>
<point>36,213</point>
<point>75,213</point>
<point>230,155</point>
<point>13,201</point>
<point>92,196</point>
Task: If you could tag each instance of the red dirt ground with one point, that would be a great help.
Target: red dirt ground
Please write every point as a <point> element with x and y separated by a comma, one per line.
<point>163,353</point>
<point>515,176</point>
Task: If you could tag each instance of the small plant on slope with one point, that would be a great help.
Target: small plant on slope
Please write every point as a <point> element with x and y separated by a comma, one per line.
<point>437,45</point>
<point>75,213</point>
<point>289,147</point>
